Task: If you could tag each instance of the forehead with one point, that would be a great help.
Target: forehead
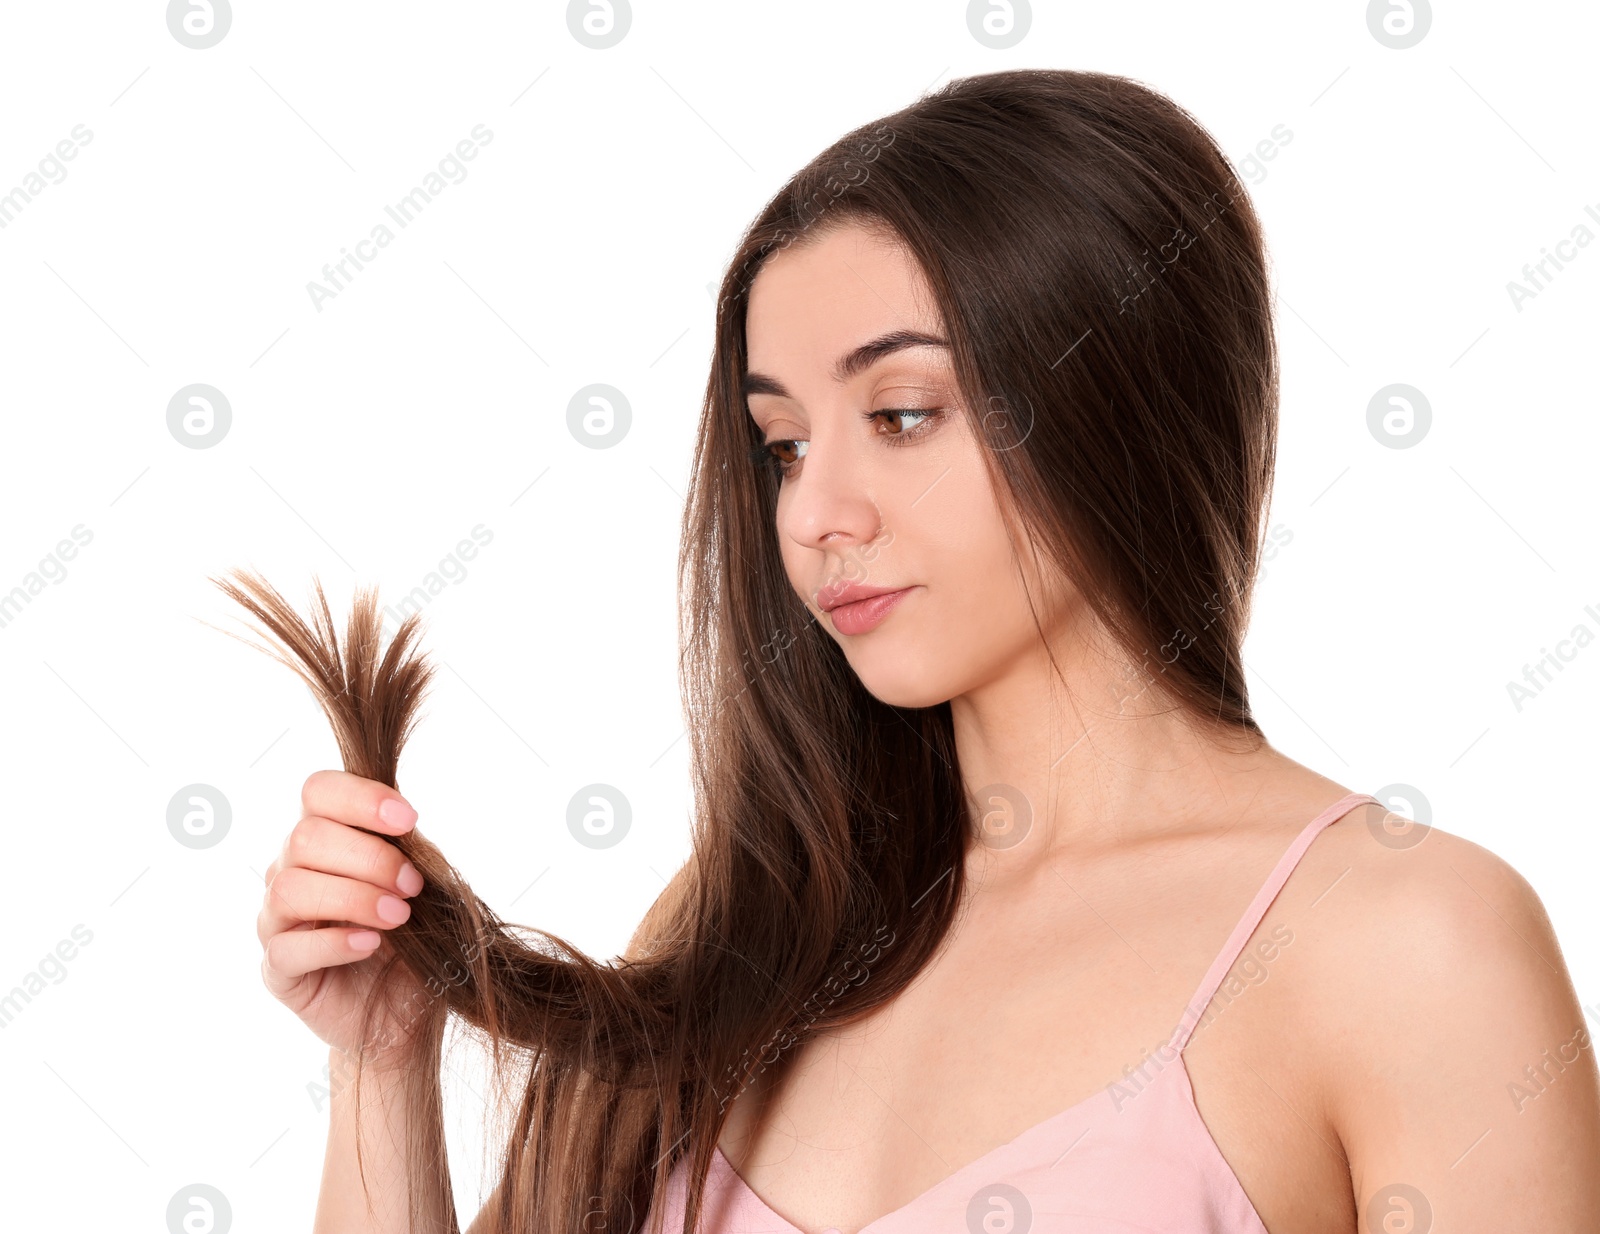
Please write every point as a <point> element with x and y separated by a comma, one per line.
<point>824,294</point>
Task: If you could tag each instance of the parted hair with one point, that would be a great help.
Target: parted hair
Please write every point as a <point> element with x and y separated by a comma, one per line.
<point>1103,282</point>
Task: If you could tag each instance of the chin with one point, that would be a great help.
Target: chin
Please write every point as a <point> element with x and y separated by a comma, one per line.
<point>907,682</point>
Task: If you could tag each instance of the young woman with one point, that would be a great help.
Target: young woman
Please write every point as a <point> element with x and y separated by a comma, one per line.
<point>1003,914</point>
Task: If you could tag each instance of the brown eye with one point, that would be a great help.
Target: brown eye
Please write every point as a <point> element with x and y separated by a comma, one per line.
<point>781,456</point>
<point>898,416</point>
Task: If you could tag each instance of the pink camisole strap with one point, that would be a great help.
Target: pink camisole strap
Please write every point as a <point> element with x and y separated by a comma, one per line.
<point>1195,1009</point>
<point>1136,1156</point>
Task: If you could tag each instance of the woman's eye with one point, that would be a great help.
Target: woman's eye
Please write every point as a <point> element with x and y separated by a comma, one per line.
<point>782,456</point>
<point>908,421</point>
<point>901,426</point>
<point>901,416</point>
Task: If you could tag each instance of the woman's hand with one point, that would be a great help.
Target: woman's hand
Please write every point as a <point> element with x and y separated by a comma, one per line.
<point>331,892</point>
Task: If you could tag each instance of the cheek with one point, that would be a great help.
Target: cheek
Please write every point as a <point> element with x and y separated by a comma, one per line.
<point>983,600</point>
<point>958,517</point>
<point>963,541</point>
<point>797,567</point>
<point>1006,596</point>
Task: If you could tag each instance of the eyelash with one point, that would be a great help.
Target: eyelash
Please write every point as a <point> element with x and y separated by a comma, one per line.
<point>763,456</point>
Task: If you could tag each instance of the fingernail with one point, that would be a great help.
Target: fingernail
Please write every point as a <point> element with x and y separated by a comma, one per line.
<point>397,813</point>
<point>408,880</point>
<point>392,910</point>
<point>364,940</point>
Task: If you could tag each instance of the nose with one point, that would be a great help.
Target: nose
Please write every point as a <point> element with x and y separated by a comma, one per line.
<point>828,504</point>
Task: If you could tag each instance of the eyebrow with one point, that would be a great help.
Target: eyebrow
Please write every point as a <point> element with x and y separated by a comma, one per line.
<point>849,364</point>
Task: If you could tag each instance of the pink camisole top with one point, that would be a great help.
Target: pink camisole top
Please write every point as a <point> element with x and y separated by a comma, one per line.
<point>1134,1158</point>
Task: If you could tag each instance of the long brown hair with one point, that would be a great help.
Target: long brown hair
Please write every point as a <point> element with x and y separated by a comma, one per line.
<point>1102,280</point>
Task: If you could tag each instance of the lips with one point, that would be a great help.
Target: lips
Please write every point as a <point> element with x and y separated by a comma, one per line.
<point>857,609</point>
<point>834,595</point>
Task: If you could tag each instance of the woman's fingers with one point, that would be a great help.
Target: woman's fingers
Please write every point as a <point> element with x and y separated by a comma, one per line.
<point>338,883</point>
<point>288,956</point>
<point>330,846</point>
<point>357,802</point>
<point>298,895</point>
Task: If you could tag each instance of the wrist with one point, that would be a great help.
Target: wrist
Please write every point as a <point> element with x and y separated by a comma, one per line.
<point>380,1067</point>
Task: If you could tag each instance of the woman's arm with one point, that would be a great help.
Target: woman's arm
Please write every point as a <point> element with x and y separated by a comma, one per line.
<point>381,1124</point>
<point>1462,1074</point>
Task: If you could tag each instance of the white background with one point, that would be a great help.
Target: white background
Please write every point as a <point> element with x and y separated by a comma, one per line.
<point>430,396</point>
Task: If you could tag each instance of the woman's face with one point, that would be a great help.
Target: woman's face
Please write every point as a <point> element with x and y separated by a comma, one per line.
<point>883,484</point>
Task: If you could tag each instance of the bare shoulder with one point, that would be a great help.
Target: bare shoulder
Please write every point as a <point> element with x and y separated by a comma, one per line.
<point>1445,890</point>
<point>1452,1055</point>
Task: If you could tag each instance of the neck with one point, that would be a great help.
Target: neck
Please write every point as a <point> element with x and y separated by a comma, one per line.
<point>1088,753</point>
